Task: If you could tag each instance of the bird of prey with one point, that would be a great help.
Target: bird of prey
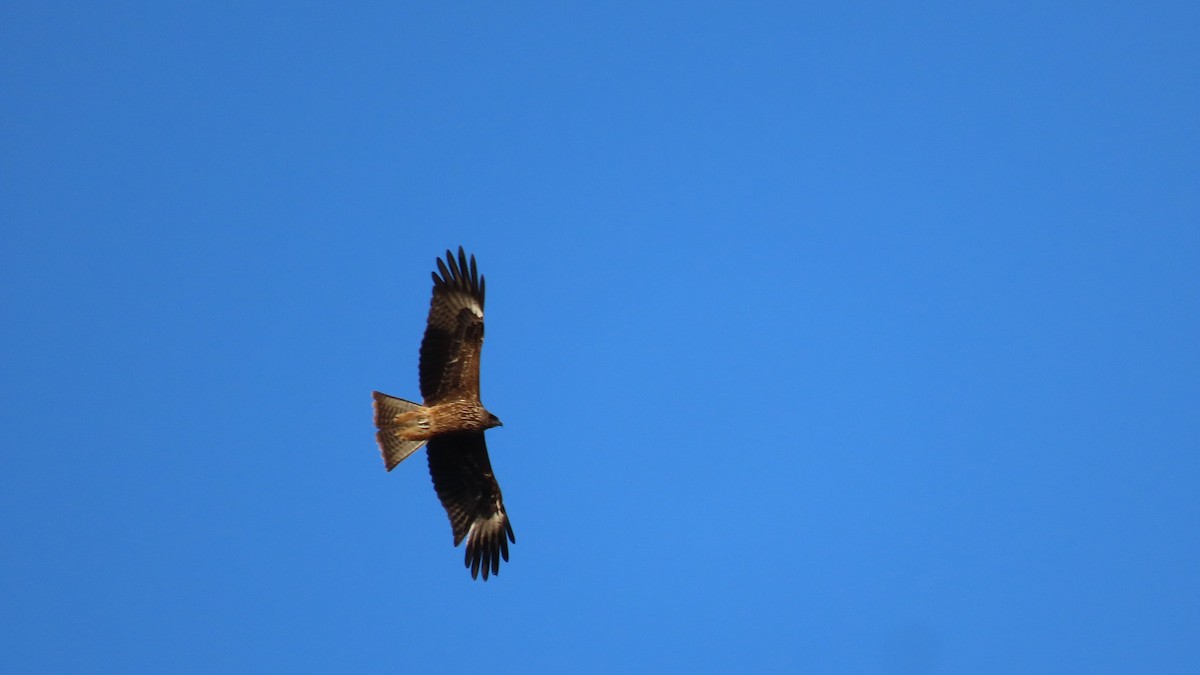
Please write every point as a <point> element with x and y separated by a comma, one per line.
<point>452,420</point>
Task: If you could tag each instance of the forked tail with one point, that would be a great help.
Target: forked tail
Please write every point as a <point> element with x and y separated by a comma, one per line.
<point>394,448</point>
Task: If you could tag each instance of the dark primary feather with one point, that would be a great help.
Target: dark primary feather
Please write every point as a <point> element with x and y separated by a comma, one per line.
<point>454,332</point>
<point>462,477</point>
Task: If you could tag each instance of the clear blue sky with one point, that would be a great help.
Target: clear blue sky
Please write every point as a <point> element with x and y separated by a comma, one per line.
<point>858,339</point>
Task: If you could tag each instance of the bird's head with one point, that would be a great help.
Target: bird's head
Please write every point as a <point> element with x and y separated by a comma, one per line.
<point>493,421</point>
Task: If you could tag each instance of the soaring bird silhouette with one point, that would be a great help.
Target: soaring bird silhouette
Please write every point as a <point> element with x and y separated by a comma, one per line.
<point>452,420</point>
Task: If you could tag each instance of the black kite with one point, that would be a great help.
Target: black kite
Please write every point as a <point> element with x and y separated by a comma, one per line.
<point>452,420</point>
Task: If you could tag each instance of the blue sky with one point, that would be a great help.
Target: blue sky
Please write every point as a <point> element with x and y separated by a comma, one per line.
<point>827,339</point>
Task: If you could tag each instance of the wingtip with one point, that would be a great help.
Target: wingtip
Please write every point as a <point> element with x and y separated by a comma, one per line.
<point>460,272</point>
<point>486,549</point>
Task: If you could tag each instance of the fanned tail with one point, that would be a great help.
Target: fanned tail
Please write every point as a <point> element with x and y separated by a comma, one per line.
<point>394,448</point>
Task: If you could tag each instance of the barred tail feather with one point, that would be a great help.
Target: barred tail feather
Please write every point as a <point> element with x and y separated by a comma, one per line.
<point>394,448</point>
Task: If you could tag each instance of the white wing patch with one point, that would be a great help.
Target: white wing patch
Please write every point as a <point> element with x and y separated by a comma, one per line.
<point>460,300</point>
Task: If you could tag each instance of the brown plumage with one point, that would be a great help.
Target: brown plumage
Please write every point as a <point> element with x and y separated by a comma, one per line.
<point>452,420</point>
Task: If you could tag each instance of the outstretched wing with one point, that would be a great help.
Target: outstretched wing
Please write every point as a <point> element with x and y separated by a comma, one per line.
<point>454,332</point>
<point>462,476</point>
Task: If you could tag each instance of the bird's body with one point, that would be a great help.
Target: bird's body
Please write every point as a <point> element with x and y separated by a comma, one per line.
<point>424,422</point>
<point>452,420</point>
